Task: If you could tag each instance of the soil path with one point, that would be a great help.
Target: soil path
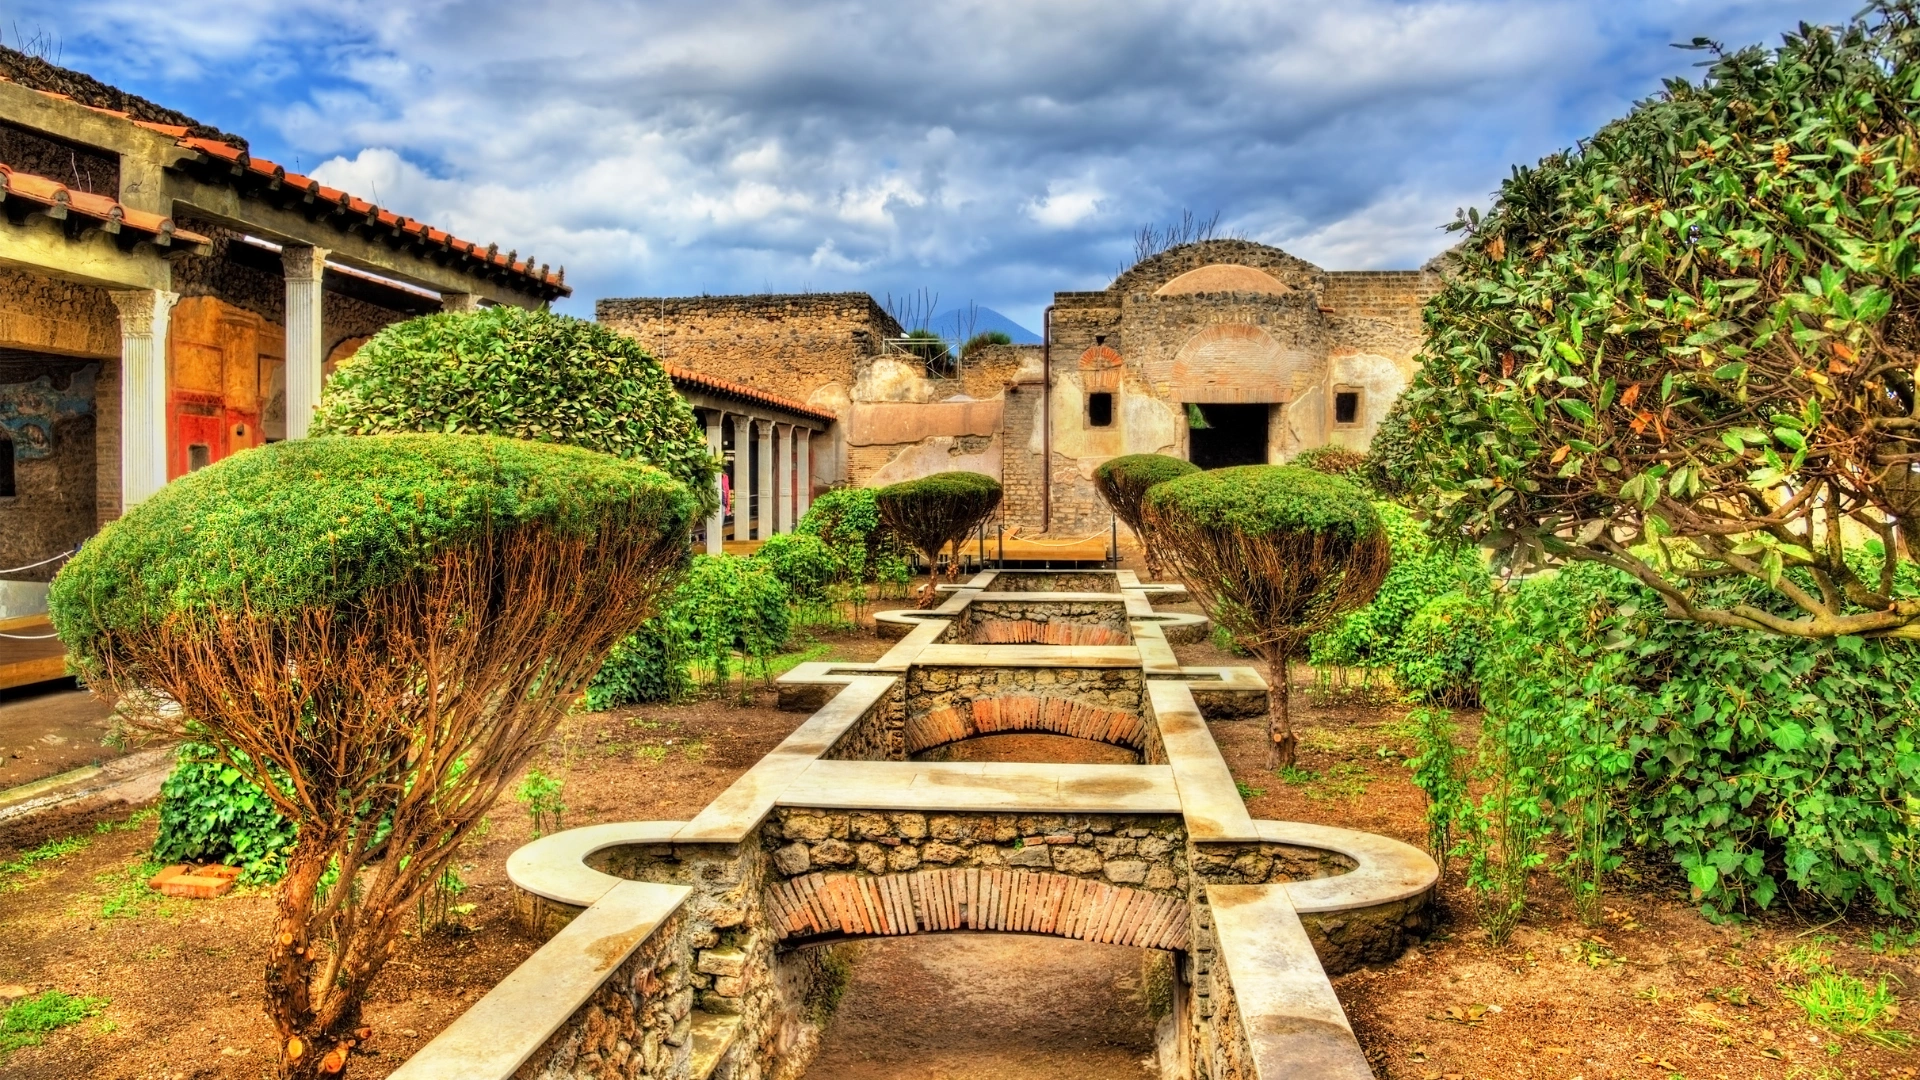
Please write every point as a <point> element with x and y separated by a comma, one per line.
<point>989,1007</point>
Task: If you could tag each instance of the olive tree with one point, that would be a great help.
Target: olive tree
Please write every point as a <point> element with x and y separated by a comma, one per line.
<point>379,633</point>
<point>1276,554</point>
<point>935,511</point>
<point>1123,483</point>
<point>1690,347</point>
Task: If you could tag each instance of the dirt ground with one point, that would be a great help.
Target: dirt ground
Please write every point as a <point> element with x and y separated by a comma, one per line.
<point>48,729</point>
<point>1656,992</point>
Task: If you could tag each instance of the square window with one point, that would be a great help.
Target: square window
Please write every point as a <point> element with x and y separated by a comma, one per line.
<point>1346,407</point>
<point>1100,410</point>
<point>198,457</point>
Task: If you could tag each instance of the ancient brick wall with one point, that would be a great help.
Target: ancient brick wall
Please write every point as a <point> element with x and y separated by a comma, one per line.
<point>638,1024</point>
<point>50,315</point>
<point>1378,311</point>
<point>80,168</point>
<point>1052,622</point>
<point>792,345</point>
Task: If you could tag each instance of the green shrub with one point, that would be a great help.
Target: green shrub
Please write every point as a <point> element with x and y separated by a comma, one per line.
<point>649,666</point>
<point>934,511</point>
<point>1422,570</point>
<point>1334,461</point>
<point>847,520</point>
<point>541,795</point>
<point>212,812</point>
<point>982,340</point>
<point>724,605</point>
<point>1275,554</point>
<point>801,561</point>
<point>1437,656</point>
<point>523,374</point>
<point>1755,762</point>
<point>1123,483</point>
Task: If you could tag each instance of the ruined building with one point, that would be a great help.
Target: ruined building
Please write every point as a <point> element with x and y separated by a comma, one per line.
<point>167,299</point>
<point>1224,352</point>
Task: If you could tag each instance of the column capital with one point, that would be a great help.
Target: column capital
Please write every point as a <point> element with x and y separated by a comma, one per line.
<point>302,263</point>
<point>139,308</point>
<point>459,302</point>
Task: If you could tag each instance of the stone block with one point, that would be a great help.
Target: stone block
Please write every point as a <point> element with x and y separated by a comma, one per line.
<point>1076,860</point>
<point>938,852</point>
<point>1035,855</point>
<point>727,962</point>
<point>1114,846</point>
<point>904,857</point>
<point>832,853</point>
<point>1127,871</point>
<point>808,826</point>
<point>871,857</point>
<point>950,827</point>
<point>869,826</point>
<point>910,826</point>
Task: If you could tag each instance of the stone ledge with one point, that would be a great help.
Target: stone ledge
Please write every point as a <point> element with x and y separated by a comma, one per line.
<point>712,1036</point>
<point>555,868</point>
<point>1294,1024</point>
<point>985,787</point>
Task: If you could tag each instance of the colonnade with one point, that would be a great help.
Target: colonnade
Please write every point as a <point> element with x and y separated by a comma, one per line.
<point>772,474</point>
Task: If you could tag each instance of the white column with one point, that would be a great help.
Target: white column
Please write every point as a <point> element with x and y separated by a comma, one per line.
<point>717,520</point>
<point>804,452</point>
<point>304,268</point>
<point>143,392</point>
<point>742,478</point>
<point>783,477</point>
<point>765,478</point>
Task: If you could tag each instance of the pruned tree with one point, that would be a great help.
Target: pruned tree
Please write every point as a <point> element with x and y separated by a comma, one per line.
<point>1690,348</point>
<point>935,511</point>
<point>1275,553</point>
<point>379,633</point>
<point>1123,483</point>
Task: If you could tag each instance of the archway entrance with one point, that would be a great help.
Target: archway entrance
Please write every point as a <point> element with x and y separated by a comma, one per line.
<point>1233,435</point>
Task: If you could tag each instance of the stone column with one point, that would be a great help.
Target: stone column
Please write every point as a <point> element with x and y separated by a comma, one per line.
<point>306,348</point>
<point>742,478</point>
<point>143,392</point>
<point>783,477</point>
<point>459,302</point>
<point>804,464</point>
<point>765,486</point>
<point>717,521</point>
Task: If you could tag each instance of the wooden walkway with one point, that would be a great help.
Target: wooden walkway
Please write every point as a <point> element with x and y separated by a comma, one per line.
<point>26,662</point>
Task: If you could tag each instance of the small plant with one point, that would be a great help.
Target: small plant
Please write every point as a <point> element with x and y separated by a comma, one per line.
<point>1248,791</point>
<point>129,893</point>
<point>540,794</point>
<point>28,1021</point>
<point>436,908</point>
<point>1846,1006</point>
<point>1440,773</point>
<point>24,865</point>
<point>212,812</point>
<point>652,754</point>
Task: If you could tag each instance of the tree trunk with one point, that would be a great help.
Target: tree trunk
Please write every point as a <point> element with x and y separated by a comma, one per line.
<point>1281,740</point>
<point>317,1031</point>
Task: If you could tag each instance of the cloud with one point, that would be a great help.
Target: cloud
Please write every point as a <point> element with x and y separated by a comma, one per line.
<point>994,150</point>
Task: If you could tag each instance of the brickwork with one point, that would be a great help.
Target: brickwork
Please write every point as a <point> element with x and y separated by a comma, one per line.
<point>47,314</point>
<point>1055,581</point>
<point>934,688</point>
<point>80,168</point>
<point>1012,622</point>
<point>787,344</point>
<point>1378,311</point>
<point>1024,712</point>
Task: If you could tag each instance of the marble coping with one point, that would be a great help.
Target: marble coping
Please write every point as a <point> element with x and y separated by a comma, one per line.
<point>1293,1023</point>
<point>1385,870</point>
<point>1209,799</point>
<point>985,787</point>
<point>504,1028</point>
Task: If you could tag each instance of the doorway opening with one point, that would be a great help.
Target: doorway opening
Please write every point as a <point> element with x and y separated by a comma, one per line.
<point>1232,435</point>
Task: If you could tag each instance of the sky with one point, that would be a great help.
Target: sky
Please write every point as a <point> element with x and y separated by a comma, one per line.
<point>985,151</point>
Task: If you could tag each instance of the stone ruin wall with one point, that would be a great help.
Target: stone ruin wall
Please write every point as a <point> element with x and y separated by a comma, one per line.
<point>1053,622</point>
<point>638,1024</point>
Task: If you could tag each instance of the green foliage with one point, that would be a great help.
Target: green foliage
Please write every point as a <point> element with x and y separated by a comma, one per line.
<point>650,665</point>
<point>801,561</point>
<point>211,812</point>
<point>318,523</point>
<point>724,605</point>
<point>27,861</point>
<point>847,520</point>
<point>1264,500</point>
<point>540,794</point>
<point>933,511</point>
<point>1755,762</point>
<point>522,374</point>
<point>28,1021</point>
<point>982,340</point>
<point>1439,771</point>
<point>1846,1006</point>
<point>1437,656</point>
<point>1693,333</point>
<point>1123,483</point>
<point>1334,461</point>
<point>1423,570</point>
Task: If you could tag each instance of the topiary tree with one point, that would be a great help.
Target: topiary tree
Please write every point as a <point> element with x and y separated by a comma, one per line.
<point>1123,483</point>
<point>1691,348</point>
<point>524,374</point>
<point>934,511</point>
<point>1275,553</point>
<point>378,633</point>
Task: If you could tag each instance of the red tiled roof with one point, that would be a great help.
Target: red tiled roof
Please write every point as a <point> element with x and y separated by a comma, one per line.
<point>240,165</point>
<point>728,388</point>
<point>61,201</point>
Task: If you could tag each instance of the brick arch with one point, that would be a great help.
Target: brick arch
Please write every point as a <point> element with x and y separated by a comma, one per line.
<point>1009,713</point>
<point>831,906</point>
<point>1032,632</point>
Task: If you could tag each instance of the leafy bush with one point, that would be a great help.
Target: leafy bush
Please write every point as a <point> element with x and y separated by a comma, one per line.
<point>1335,461</point>
<point>213,812</point>
<point>934,511</point>
<point>650,665</point>
<point>1423,569</point>
<point>531,375</point>
<point>1275,553</point>
<point>541,795</point>
<point>982,340</point>
<point>1123,483</point>
<point>1685,347</point>
<point>724,605</point>
<point>1755,762</point>
<point>1437,656</point>
<point>847,520</point>
<point>801,561</point>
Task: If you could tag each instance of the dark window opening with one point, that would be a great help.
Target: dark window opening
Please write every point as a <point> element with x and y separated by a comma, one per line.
<point>198,457</point>
<point>1100,410</point>
<point>7,490</point>
<point>1232,435</point>
<point>1346,407</point>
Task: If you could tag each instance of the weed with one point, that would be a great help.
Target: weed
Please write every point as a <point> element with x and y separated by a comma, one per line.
<point>652,754</point>
<point>1896,942</point>
<point>23,866</point>
<point>26,1022</point>
<point>129,894</point>
<point>1248,791</point>
<point>1848,1007</point>
<point>540,794</point>
<point>695,752</point>
<point>1342,780</point>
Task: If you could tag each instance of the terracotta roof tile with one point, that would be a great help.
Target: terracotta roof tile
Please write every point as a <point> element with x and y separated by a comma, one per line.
<point>728,388</point>
<point>62,200</point>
